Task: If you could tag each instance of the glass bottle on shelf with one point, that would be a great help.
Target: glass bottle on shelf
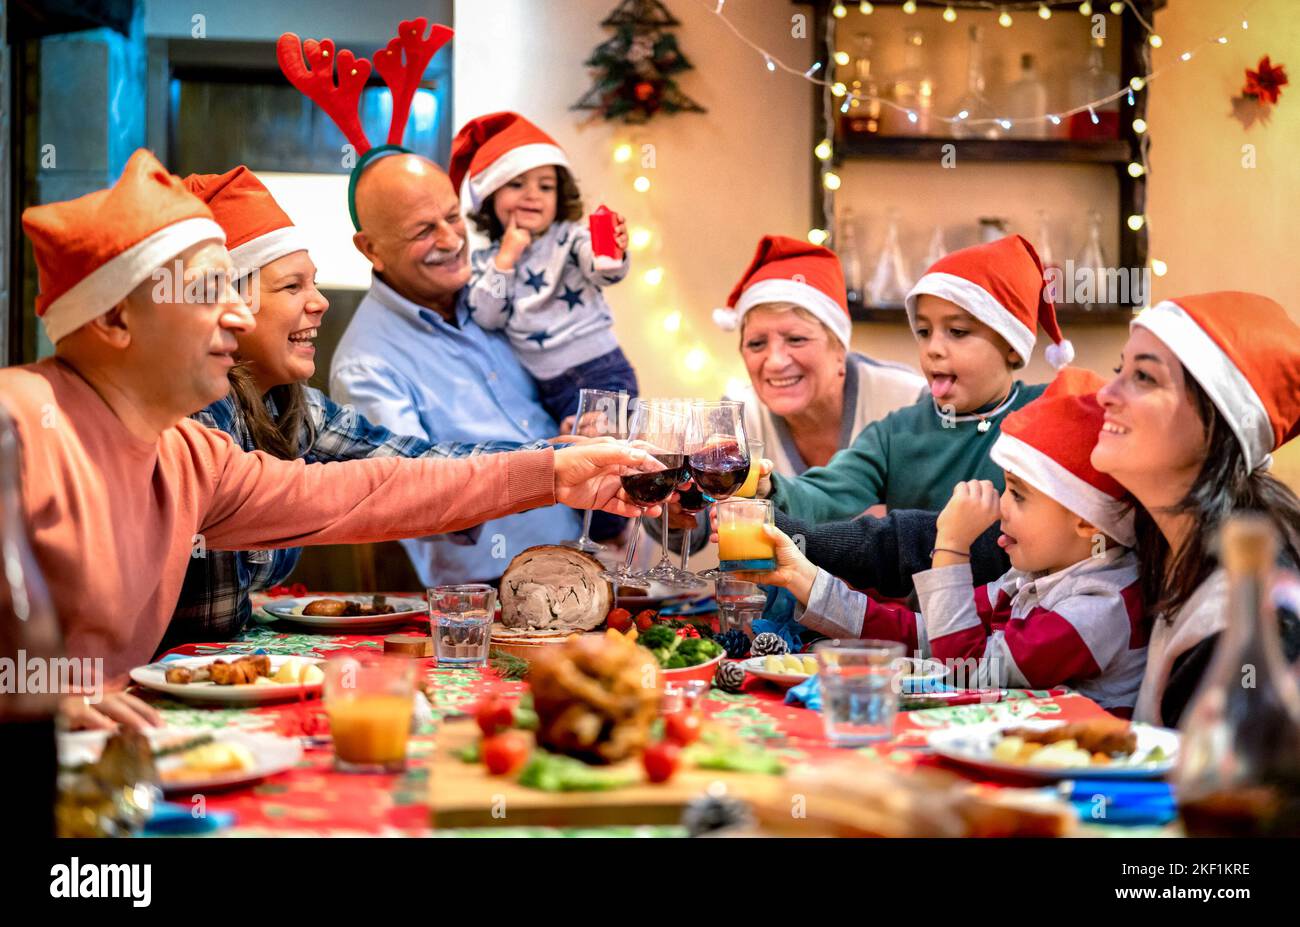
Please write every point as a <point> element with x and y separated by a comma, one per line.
<point>1238,771</point>
<point>1092,260</point>
<point>848,246</point>
<point>912,90</point>
<point>863,118</point>
<point>992,228</point>
<point>1027,100</point>
<point>1044,244</point>
<point>975,102</point>
<point>890,282</point>
<point>1094,83</point>
<point>936,250</point>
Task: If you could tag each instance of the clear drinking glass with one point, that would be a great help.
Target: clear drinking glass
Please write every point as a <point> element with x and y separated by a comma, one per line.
<point>601,413</point>
<point>658,427</point>
<point>460,619</point>
<point>369,700</point>
<point>860,682</point>
<point>739,604</point>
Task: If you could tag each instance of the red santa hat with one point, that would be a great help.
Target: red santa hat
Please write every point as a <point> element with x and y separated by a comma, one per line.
<point>91,252</point>
<point>1244,351</point>
<point>1000,284</point>
<point>787,270</point>
<point>257,230</point>
<point>490,151</point>
<point>1048,444</point>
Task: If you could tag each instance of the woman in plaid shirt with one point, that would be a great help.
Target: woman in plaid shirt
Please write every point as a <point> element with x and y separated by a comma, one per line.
<point>270,407</point>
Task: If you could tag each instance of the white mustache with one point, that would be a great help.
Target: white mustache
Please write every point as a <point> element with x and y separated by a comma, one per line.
<point>441,256</point>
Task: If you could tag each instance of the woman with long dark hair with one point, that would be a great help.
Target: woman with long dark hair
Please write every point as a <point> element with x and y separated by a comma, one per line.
<point>1207,388</point>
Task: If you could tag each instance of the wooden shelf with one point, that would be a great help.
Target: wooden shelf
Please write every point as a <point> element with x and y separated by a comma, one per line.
<point>1068,313</point>
<point>980,149</point>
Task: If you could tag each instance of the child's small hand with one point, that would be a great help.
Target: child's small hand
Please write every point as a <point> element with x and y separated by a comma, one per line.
<point>973,507</point>
<point>793,570</point>
<point>513,242</point>
<point>620,233</point>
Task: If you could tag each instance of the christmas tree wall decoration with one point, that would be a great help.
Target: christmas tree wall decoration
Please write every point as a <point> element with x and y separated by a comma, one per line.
<point>634,69</point>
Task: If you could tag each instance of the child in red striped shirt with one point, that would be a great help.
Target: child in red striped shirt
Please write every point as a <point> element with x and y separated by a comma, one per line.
<point>1067,612</point>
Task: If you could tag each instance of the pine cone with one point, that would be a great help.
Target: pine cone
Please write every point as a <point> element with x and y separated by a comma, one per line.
<point>767,644</point>
<point>730,677</point>
<point>735,642</point>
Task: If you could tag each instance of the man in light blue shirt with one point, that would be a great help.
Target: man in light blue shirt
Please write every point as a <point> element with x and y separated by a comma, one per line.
<point>414,361</point>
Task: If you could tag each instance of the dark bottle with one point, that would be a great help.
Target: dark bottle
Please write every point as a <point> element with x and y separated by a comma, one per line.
<point>31,652</point>
<point>1238,773</point>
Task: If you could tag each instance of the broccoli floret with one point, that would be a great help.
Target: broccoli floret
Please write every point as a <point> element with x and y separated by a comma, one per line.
<point>663,655</point>
<point>699,650</point>
<point>677,661</point>
<point>657,636</point>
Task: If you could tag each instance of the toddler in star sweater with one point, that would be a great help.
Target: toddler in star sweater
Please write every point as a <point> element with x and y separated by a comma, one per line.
<point>540,280</point>
<point>1069,610</point>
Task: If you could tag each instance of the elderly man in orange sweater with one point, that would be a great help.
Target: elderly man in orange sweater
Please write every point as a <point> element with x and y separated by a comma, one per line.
<point>119,486</point>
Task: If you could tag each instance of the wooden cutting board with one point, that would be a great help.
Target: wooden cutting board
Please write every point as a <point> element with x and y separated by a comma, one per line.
<point>464,794</point>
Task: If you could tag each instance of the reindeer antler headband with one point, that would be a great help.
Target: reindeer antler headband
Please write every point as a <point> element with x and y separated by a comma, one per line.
<point>310,67</point>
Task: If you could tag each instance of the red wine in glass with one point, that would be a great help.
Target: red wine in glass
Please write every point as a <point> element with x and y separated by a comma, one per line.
<point>692,499</point>
<point>720,469</point>
<point>647,489</point>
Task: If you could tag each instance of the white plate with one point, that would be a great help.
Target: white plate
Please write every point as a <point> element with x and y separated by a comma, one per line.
<point>271,754</point>
<point>754,665</point>
<point>933,669</point>
<point>406,611</point>
<point>153,676</point>
<point>972,746</point>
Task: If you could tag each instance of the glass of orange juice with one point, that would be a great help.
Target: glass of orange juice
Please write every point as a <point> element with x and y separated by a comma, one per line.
<point>742,541</point>
<point>750,486</point>
<point>370,700</point>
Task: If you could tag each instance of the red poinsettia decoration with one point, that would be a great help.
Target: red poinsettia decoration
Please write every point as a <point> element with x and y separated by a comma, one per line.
<point>1266,82</point>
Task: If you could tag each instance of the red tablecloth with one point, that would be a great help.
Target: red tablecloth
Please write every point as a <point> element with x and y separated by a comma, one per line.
<point>314,799</point>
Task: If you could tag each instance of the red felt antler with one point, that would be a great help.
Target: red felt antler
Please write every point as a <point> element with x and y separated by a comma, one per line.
<point>309,66</point>
<point>401,64</point>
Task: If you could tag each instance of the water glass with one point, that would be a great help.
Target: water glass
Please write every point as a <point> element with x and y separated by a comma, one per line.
<point>860,682</point>
<point>460,620</point>
<point>739,604</point>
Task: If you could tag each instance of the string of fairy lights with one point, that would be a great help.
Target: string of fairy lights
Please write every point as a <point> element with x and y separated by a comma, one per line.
<point>839,93</point>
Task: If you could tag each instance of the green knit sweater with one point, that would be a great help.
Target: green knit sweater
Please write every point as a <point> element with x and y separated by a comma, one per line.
<point>907,460</point>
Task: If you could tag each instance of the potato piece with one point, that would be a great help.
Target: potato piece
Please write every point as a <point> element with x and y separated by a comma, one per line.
<point>311,675</point>
<point>792,663</point>
<point>773,664</point>
<point>1007,750</point>
<point>809,663</point>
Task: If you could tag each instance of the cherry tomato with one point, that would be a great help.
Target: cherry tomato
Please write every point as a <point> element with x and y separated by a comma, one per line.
<point>682,727</point>
<point>661,760</point>
<point>687,631</point>
<point>645,619</point>
<point>505,752</point>
<point>494,714</point>
<point>620,619</point>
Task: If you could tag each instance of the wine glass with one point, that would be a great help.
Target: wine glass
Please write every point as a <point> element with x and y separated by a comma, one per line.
<point>718,454</point>
<point>692,502</point>
<point>657,427</point>
<point>665,571</point>
<point>600,413</point>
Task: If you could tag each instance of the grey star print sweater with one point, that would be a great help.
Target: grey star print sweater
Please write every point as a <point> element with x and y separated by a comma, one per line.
<point>550,307</point>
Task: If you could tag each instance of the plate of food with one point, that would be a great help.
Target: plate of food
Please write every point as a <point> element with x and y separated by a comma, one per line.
<point>243,679</point>
<point>1097,749</point>
<point>351,612</point>
<point>782,669</point>
<point>196,760</point>
<point>790,669</point>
